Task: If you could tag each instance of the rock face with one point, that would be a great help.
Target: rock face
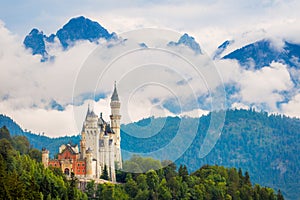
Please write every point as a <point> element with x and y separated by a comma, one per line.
<point>35,41</point>
<point>188,41</point>
<point>221,49</point>
<point>81,28</point>
<point>76,29</point>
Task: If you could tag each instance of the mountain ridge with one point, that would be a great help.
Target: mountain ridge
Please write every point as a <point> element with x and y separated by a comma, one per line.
<point>262,53</point>
<point>78,28</point>
<point>253,55</point>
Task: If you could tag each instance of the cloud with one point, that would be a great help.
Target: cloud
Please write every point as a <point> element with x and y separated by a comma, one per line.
<point>239,105</point>
<point>265,89</point>
<point>292,108</point>
<point>211,23</point>
<point>265,85</point>
<point>27,86</point>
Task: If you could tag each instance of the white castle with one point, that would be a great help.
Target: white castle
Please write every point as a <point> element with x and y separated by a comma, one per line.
<point>99,146</point>
<point>103,139</point>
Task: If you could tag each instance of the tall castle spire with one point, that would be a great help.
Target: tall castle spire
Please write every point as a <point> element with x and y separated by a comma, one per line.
<point>88,111</point>
<point>115,120</point>
<point>115,96</point>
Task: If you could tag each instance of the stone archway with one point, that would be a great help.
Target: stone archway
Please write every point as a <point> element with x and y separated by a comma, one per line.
<point>67,171</point>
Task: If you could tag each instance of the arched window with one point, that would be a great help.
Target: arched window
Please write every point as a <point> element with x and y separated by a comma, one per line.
<point>67,171</point>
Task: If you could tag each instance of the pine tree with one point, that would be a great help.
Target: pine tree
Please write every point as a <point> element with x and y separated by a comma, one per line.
<point>279,195</point>
<point>130,186</point>
<point>183,172</point>
<point>4,133</point>
<point>247,179</point>
<point>90,189</point>
<point>104,174</point>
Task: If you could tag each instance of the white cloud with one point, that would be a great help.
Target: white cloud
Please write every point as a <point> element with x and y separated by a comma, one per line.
<point>27,86</point>
<point>292,108</point>
<point>239,105</point>
<point>195,113</point>
<point>264,86</point>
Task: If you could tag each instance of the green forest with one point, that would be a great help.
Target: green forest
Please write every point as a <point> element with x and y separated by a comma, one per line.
<point>23,176</point>
<point>266,145</point>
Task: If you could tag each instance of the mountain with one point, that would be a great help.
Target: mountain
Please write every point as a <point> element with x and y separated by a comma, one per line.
<point>37,140</point>
<point>76,29</point>
<point>262,53</point>
<point>255,55</point>
<point>23,176</point>
<point>188,41</point>
<point>267,146</point>
<point>222,48</point>
<point>81,28</point>
<point>11,125</point>
<point>35,41</point>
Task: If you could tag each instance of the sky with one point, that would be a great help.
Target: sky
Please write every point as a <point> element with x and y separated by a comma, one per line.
<point>27,86</point>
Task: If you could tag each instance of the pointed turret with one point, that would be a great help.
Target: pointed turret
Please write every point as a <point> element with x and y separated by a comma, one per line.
<point>88,111</point>
<point>115,120</point>
<point>115,96</point>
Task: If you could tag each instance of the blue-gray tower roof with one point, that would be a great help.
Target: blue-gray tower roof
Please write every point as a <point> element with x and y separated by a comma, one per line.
<point>90,113</point>
<point>115,96</point>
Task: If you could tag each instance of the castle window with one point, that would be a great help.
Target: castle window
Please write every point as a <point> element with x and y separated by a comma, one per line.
<point>82,164</point>
<point>78,170</point>
<point>78,164</point>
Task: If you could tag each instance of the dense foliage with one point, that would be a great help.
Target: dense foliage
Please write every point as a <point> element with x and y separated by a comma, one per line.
<point>208,182</point>
<point>267,146</point>
<point>23,176</point>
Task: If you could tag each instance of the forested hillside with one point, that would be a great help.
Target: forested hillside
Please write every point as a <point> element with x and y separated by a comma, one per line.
<point>208,182</point>
<point>267,146</point>
<point>23,176</point>
<point>38,141</point>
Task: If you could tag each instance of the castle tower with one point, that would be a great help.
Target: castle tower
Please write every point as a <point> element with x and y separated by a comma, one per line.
<point>91,133</point>
<point>45,157</point>
<point>83,145</point>
<point>112,170</point>
<point>89,161</point>
<point>115,118</point>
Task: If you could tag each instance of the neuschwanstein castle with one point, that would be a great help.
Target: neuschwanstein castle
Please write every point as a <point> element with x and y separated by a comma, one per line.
<point>99,146</point>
